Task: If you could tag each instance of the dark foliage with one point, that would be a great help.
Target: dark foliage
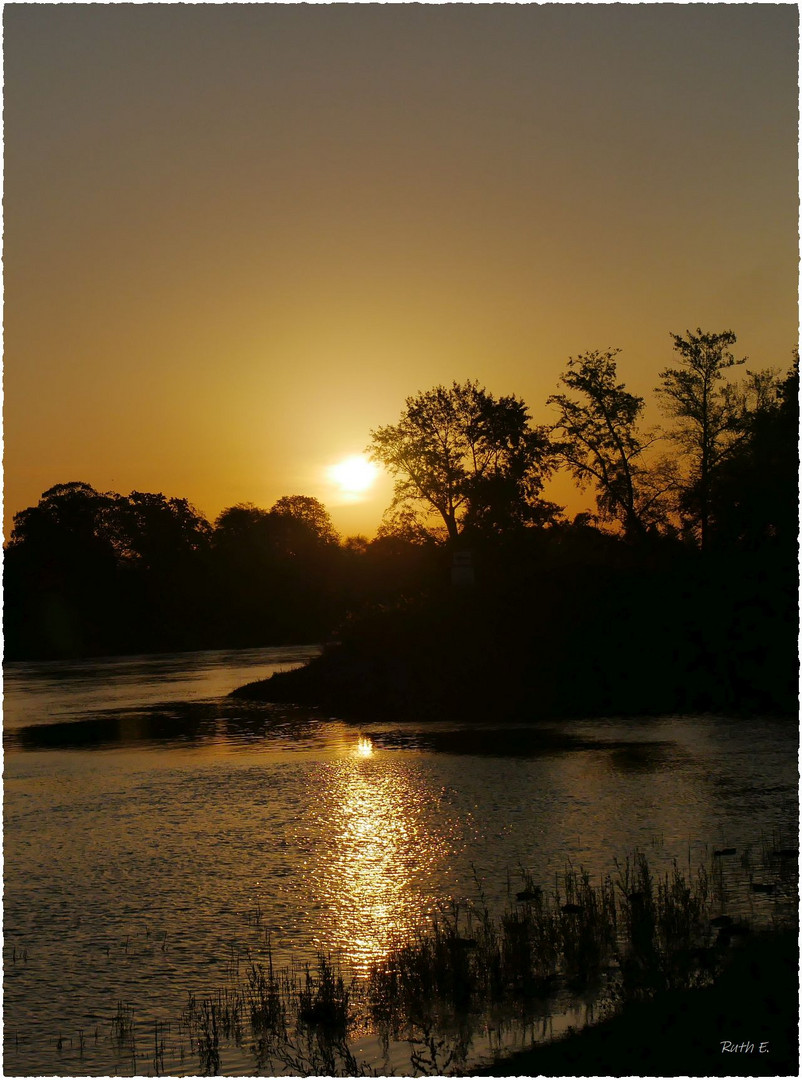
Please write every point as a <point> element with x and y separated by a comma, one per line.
<point>568,621</point>
<point>90,573</point>
<point>681,1033</point>
<point>602,444</point>
<point>467,458</point>
<point>563,618</point>
<point>753,497</point>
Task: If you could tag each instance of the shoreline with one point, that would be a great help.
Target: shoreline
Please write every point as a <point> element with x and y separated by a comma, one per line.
<point>754,1001</point>
<point>359,689</point>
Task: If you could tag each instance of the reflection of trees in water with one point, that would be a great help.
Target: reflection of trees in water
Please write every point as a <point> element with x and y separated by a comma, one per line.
<point>180,725</point>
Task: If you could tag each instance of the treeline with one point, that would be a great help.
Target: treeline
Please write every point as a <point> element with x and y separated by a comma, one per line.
<point>678,592</point>
<point>99,573</point>
<point>722,474</point>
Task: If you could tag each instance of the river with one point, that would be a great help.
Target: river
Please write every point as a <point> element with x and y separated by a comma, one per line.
<point>156,831</point>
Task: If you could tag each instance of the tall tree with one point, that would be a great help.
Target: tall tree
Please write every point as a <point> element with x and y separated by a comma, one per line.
<point>711,413</point>
<point>754,491</point>
<point>473,460</point>
<point>602,444</point>
<point>62,588</point>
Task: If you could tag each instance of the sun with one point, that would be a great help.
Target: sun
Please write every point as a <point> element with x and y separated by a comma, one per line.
<point>354,475</point>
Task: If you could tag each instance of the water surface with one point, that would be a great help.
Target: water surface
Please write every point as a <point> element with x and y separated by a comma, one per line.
<point>156,831</point>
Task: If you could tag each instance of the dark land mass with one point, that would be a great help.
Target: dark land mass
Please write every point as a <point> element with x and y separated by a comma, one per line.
<point>544,635</point>
<point>755,1001</point>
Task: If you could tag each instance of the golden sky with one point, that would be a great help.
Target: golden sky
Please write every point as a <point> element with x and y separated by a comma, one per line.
<point>238,237</point>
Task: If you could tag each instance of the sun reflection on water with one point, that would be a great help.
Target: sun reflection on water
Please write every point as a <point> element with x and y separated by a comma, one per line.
<point>371,876</point>
<point>364,747</point>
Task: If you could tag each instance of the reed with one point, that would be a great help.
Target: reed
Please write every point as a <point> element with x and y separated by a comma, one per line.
<point>323,1000</point>
<point>266,998</point>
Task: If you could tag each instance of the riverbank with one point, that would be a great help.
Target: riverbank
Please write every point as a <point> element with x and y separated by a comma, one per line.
<point>470,656</point>
<point>746,1024</point>
<point>686,993</point>
<point>676,1007</point>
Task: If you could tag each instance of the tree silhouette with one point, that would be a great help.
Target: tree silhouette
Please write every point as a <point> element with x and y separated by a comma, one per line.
<point>711,414</point>
<point>72,513</point>
<point>467,457</point>
<point>245,572</point>
<point>158,532</point>
<point>61,573</point>
<point>602,444</point>
<point>753,493</point>
<point>311,512</point>
<point>237,523</point>
<point>276,572</point>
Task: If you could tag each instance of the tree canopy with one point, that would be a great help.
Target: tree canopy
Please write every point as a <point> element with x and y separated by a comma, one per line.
<point>711,414</point>
<point>472,459</point>
<point>311,512</point>
<point>602,444</point>
<point>753,496</point>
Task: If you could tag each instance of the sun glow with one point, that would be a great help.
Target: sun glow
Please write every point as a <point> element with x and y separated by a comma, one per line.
<point>354,475</point>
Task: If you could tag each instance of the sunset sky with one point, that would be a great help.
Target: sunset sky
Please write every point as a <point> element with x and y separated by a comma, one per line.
<point>238,237</point>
